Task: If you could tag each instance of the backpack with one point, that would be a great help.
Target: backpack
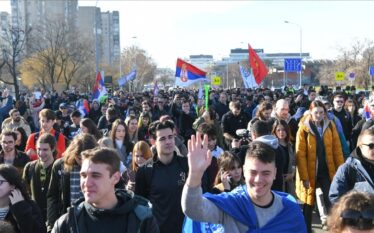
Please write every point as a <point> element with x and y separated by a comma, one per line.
<point>37,135</point>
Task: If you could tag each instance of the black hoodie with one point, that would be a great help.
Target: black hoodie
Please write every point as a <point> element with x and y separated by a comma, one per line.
<point>132,214</point>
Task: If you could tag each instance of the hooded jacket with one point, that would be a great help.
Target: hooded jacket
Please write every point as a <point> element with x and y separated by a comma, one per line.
<point>306,156</point>
<point>132,214</point>
<point>353,174</point>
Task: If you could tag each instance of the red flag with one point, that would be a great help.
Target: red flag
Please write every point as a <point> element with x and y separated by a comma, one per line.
<point>259,69</point>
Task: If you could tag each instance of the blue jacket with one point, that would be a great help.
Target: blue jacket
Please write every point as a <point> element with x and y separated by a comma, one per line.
<point>239,206</point>
<point>352,175</point>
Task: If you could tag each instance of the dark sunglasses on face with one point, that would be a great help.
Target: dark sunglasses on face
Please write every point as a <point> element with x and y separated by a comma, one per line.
<point>362,220</point>
<point>371,145</point>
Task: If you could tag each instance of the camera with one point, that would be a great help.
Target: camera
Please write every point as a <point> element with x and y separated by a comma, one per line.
<point>245,136</point>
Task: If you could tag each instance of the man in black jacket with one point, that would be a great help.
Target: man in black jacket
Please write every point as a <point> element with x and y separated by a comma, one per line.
<point>103,209</point>
<point>162,182</point>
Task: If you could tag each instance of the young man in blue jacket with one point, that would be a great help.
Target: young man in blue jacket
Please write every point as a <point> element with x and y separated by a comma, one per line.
<point>249,208</point>
<point>358,170</point>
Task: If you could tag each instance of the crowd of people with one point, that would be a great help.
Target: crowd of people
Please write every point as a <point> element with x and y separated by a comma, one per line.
<point>247,160</point>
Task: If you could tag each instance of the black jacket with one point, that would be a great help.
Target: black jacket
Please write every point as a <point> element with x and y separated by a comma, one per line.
<point>132,214</point>
<point>58,196</point>
<point>25,217</point>
<point>38,188</point>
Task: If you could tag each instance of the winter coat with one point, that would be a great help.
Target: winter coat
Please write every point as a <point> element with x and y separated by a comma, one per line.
<point>355,173</point>
<point>25,217</point>
<point>134,210</point>
<point>306,156</point>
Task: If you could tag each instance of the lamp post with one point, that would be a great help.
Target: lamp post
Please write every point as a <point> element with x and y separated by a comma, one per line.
<point>301,45</point>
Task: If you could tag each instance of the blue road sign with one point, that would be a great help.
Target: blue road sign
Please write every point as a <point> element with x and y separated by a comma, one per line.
<point>292,64</point>
<point>371,70</point>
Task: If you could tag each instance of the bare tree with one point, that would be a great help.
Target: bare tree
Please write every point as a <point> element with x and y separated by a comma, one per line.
<point>13,45</point>
<point>134,57</point>
<point>49,47</point>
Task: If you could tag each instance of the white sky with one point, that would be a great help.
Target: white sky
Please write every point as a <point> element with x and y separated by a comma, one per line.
<point>171,29</point>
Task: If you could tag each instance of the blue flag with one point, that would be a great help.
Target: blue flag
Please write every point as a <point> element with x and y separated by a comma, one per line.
<point>129,77</point>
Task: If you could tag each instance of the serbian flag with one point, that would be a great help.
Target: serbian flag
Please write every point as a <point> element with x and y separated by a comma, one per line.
<point>259,69</point>
<point>367,112</point>
<point>83,107</point>
<point>99,89</point>
<point>187,74</point>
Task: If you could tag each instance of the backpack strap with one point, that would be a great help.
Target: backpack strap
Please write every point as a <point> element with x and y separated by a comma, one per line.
<point>37,134</point>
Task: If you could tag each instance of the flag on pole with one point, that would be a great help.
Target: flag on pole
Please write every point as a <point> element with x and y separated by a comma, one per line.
<point>259,69</point>
<point>125,78</point>
<point>83,107</point>
<point>99,88</point>
<point>248,78</point>
<point>155,89</point>
<point>187,74</point>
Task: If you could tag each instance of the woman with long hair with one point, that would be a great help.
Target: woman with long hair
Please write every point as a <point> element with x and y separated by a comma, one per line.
<point>121,141</point>
<point>282,131</point>
<point>141,155</point>
<point>145,119</point>
<point>263,113</point>
<point>230,173</point>
<point>353,213</point>
<point>64,187</point>
<point>88,126</point>
<point>318,156</point>
<point>21,138</point>
<point>132,128</point>
<point>16,205</point>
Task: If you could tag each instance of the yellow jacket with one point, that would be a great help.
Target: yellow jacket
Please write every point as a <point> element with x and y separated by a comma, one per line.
<point>306,157</point>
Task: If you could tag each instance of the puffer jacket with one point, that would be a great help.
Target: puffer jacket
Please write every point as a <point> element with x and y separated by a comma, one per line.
<point>306,156</point>
<point>355,173</point>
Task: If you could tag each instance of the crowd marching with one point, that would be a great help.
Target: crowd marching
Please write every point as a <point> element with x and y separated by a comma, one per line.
<point>241,160</point>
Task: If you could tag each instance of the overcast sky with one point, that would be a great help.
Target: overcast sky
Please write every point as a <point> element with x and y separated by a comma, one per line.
<point>171,29</point>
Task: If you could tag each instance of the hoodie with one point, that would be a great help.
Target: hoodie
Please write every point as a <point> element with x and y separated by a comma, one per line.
<point>131,214</point>
<point>280,158</point>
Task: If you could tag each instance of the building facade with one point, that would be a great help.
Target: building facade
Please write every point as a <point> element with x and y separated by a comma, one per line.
<point>201,61</point>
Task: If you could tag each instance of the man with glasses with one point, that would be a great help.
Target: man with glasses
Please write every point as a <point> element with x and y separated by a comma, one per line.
<point>9,154</point>
<point>342,115</point>
<point>358,170</point>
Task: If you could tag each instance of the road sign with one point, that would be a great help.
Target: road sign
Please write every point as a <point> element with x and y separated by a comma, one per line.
<point>352,76</point>
<point>292,64</point>
<point>339,76</point>
<point>216,80</point>
<point>371,70</point>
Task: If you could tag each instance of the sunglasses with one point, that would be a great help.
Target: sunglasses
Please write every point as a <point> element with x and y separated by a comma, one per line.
<point>362,220</point>
<point>371,145</point>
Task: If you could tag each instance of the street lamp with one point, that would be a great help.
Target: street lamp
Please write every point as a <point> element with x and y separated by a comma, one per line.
<point>301,45</point>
